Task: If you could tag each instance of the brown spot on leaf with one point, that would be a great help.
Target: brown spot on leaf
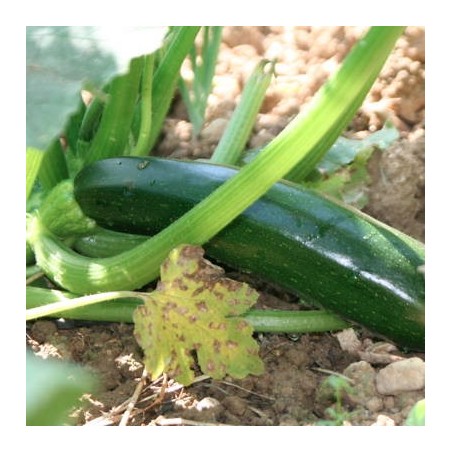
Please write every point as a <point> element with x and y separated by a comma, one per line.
<point>182,310</point>
<point>217,326</point>
<point>191,251</point>
<point>210,366</point>
<point>202,306</point>
<point>179,284</point>
<point>232,345</point>
<point>242,324</point>
<point>217,346</point>
<point>198,291</point>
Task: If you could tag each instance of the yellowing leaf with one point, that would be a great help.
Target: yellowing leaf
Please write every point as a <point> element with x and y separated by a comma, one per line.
<point>194,309</point>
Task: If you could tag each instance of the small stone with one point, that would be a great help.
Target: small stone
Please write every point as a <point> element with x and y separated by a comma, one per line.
<point>262,138</point>
<point>401,376</point>
<point>363,376</point>
<point>348,340</point>
<point>214,131</point>
<point>383,421</point>
<point>129,366</point>
<point>207,403</point>
<point>389,403</point>
<point>235,36</point>
<point>374,404</point>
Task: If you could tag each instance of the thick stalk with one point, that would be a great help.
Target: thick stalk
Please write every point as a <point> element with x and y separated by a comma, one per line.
<point>167,75</point>
<point>113,133</point>
<point>144,137</point>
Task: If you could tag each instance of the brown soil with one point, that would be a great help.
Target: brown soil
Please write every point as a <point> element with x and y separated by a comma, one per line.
<point>292,391</point>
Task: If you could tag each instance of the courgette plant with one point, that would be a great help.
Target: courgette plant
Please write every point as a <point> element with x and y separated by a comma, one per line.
<point>125,120</point>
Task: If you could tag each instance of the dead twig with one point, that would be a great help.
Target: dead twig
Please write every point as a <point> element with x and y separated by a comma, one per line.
<point>133,400</point>
<point>179,421</point>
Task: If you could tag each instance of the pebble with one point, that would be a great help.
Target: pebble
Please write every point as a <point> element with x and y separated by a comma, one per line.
<point>383,421</point>
<point>363,376</point>
<point>401,376</point>
<point>207,403</point>
<point>374,404</point>
<point>348,340</point>
<point>214,131</point>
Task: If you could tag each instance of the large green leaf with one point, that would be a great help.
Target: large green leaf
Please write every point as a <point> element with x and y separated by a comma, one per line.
<point>61,60</point>
<point>53,388</point>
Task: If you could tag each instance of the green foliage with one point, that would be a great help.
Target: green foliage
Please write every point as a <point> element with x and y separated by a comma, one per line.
<point>336,413</point>
<point>33,161</point>
<point>193,309</point>
<point>416,417</point>
<point>53,389</point>
<point>196,93</point>
<point>243,119</point>
<point>343,174</point>
<point>60,60</point>
<point>61,213</point>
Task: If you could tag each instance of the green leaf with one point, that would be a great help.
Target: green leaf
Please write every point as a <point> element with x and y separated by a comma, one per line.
<point>53,388</point>
<point>193,309</point>
<point>61,59</point>
<point>33,162</point>
<point>343,174</point>
<point>344,151</point>
<point>416,417</point>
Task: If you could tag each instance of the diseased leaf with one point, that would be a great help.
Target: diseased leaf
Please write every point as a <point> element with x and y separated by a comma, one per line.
<point>194,309</point>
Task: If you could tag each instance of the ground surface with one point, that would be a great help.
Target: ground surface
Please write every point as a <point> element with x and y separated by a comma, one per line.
<point>294,389</point>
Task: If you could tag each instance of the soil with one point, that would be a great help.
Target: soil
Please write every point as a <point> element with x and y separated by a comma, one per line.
<point>294,389</point>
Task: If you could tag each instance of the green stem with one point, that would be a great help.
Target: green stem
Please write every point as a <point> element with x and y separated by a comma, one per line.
<point>33,273</point>
<point>167,75</point>
<point>113,133</point>
<point>294,321</point>
<point>299,173</point>
<point>79,302</point>
<point>106,243</point>
<point>237,133</point>
<point>92,118</point>
<point>54,303</point>
<point>54,166</point>
<point>34,159</point>
<point>144,137</point>
<point>137,267</point>
<point>195,99</point>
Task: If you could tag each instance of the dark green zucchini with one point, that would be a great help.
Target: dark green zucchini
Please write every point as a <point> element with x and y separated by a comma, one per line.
<point>328,254</point>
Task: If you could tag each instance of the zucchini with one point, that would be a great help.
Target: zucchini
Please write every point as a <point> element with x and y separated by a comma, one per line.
<point>327,253</point>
